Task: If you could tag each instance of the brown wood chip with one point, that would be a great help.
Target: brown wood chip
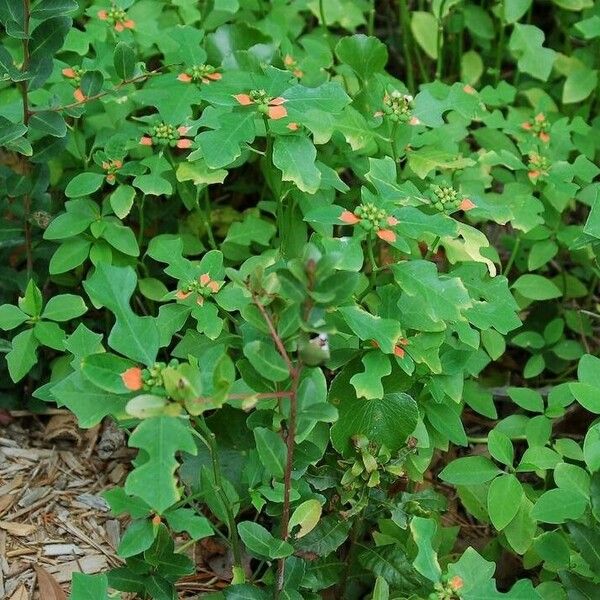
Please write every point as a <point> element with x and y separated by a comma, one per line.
<point>48,586</point>
<point>20,593</point>
<point>19,529</point>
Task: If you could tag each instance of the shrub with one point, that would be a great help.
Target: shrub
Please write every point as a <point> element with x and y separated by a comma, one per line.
<point>340,323</point>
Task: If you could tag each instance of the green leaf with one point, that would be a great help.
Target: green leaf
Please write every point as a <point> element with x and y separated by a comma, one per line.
<point>587,540</point>
<point>426,561</point>
<point>442,298</point>
<point>391,562</point>
<point>306,516</point>
<point>188,520</point>
<point>515,9</point>
<point>500,447</point>
<point>11,316</point>
<point>121,200</point>
<point>135,337</point>
<point>48,122</point>
<point>22,355</point>
<point>261,543</point>
<point>388,420</point>
<point>469,470</point>
<point>272,451</point>
<point>266,360</point>
<point>223,145</point>
<point>527,398</point>
<point>503,500</point>
<point>88,587</point>
<point>364,54</point>
<point>48,37</point>
<point>526,44</point>
<point>424,27</point>
<point>84,184</point>
<point>89,403</point>
<point>294,156</point>
<point>368,384</point>
<point>69,255</point>
<point>64,308</point>
<point>138,537</point>
<point>386,332</point>
<point>124,60</point>
<point>154,479</point>
<point>536,287</point>
<point>559,505</point>
<point>104,370</point>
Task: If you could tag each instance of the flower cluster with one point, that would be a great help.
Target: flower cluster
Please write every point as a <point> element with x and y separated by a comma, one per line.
<point>75,73</point>
<point>447,589</point>
<point>292,65</point>
<point>200,74</point>
<point>272,107</point>
<point>446,198</point>
<point>204,286</point>
<point>398,108</point>
<point>372,218</point>
<point>111,167</point>
<point>164,134</point>
<point>117,17</point>
<point>537,165</point>
<point>136,378</point>
<point>539,127</point>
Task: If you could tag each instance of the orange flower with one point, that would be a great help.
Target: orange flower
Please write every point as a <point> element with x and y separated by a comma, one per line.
<point>456,583</point>
<point>392,221</point>
<point>185,78</point>
<point>349,218</point>
<point>146,141</point>
<point>199,73</point>
<point>545,137</point>
<point>204,279</point>
<point>244,99</point>
<point>399,352</point>
<point>466,204</point>
<point>181,295</point>
<point>469,89</point>
<point>69,72</point>
<point>132,379</point>
<point>387,235</point>
<point>79,95</point>
<point>293,126</point>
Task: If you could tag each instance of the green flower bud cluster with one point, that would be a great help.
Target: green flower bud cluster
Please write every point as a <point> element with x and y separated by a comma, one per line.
<point>260,97</point>
<point>445,197</point>
<point>540,124</point>
<point>78,73</point>
<point>162,133</point>
<point>366,469</point>
<point>153,378</point>
<point>199,72</point>
<point>538,162</point>
<point>398,107</point>
<point>371,216</point>
<point>116,15</point>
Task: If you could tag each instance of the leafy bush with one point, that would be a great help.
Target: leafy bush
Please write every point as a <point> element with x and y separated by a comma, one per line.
<point>340,323</point>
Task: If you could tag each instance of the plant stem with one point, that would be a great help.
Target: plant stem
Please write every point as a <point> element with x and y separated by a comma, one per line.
<point>324,24</point>
<point>372,260</point>
<point>371,23</point>
<point>101,94</point>
<point>206,215</point>
<point>432,248</point>
<point>404,16</point>
<point>500,49</point>
<point>211,442</point>
<point>290,438</point>
<point>439,46</point>
<point>141,223</point>
<point>24,86</point>
<point>511,258</point>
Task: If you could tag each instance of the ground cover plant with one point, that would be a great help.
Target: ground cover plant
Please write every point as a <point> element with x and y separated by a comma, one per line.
<point>332,266</point>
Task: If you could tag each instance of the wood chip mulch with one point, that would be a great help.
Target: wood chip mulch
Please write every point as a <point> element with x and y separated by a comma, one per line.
<point>53,519</point>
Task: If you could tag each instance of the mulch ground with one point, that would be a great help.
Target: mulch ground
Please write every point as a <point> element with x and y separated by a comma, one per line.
<point>53,519</point>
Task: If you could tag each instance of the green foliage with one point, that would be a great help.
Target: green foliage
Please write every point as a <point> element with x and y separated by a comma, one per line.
<point>333,266</point>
